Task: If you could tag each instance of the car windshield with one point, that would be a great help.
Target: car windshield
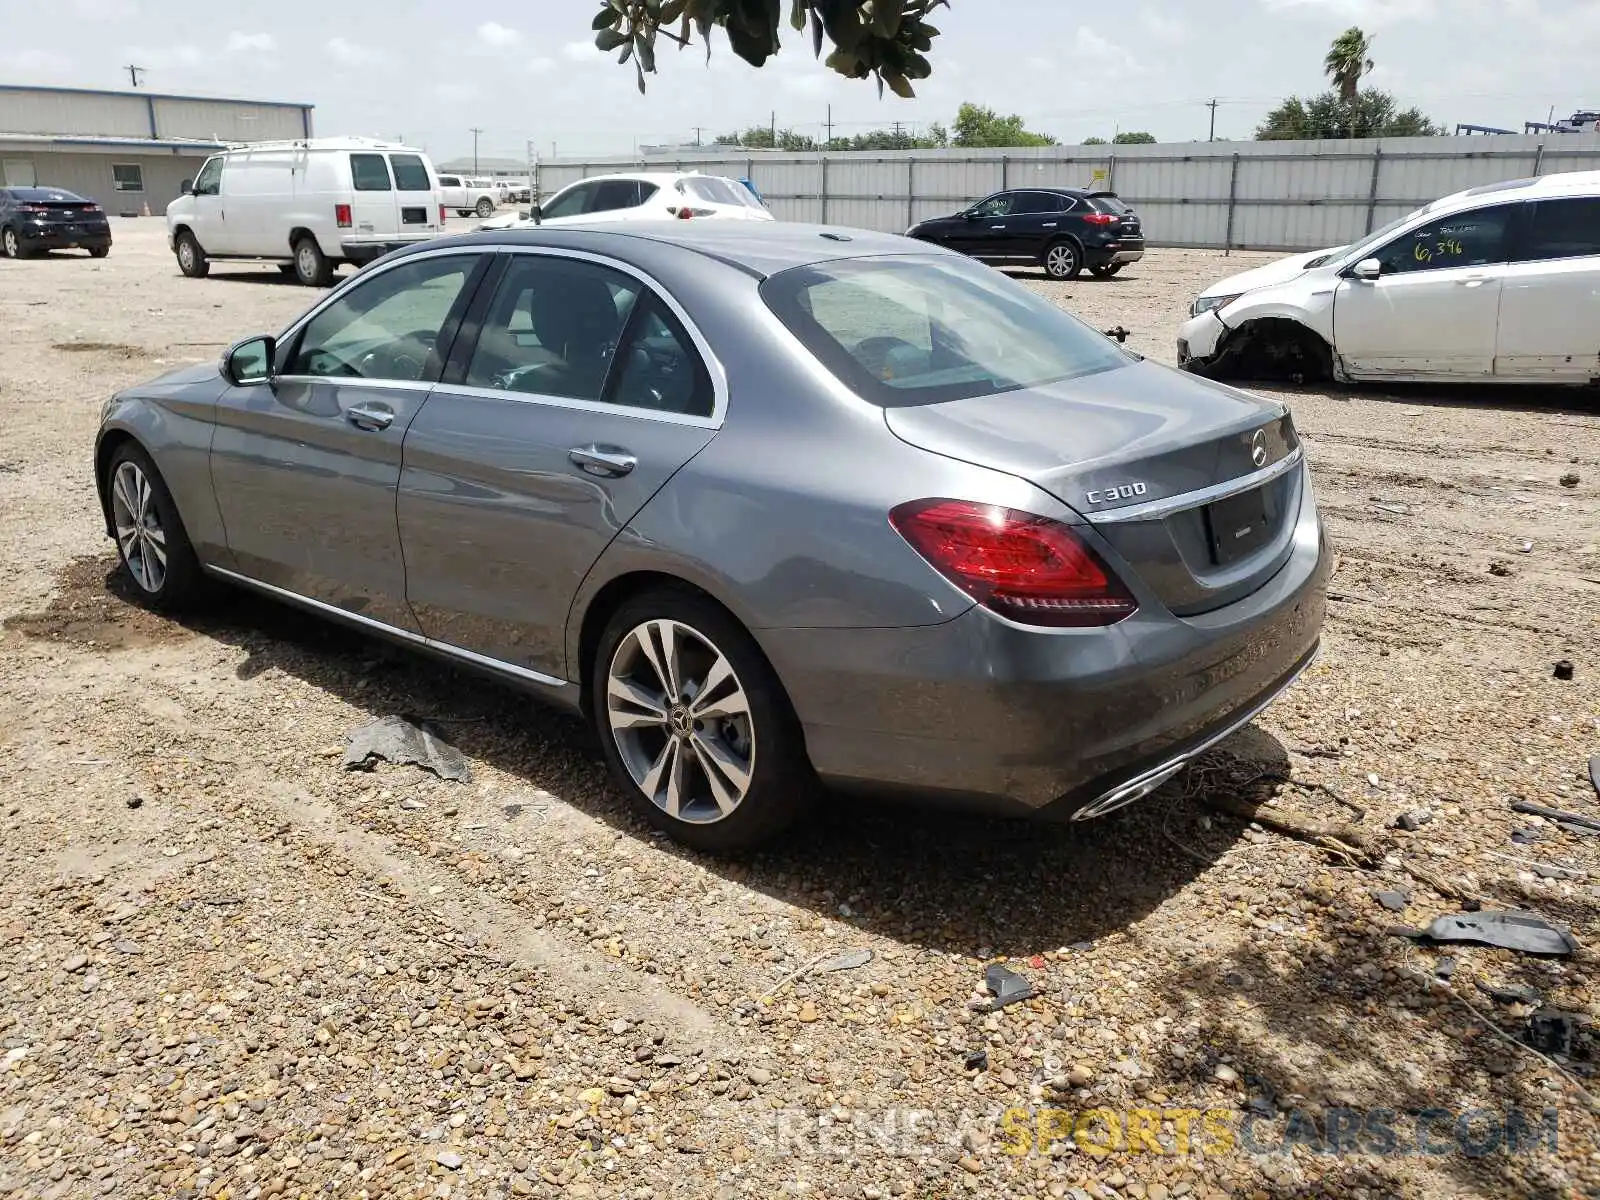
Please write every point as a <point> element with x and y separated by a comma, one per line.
<point>906,330</point>
<point>1378,235</point>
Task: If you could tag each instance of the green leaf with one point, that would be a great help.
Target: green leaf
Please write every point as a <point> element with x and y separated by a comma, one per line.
<point>672,12</point>
<point>886,17</point>
<point>898,85</point>
<point>644,50</point>
<point>797,15</point>
<point>610,39</point>
<point>606,18</point>
<point>816,33</point>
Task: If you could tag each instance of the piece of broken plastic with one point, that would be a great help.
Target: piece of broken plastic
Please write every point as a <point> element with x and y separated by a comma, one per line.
<point>848,961</point>
<point>1006,986</point>
<point>1507,930</point>
<point>397,740</point>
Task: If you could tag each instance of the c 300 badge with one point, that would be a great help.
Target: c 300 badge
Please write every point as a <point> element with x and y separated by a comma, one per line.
<point>1122,491</point>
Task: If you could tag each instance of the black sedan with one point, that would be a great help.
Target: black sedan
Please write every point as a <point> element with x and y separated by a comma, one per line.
<point>33,219</point>
<point>1062,230</point>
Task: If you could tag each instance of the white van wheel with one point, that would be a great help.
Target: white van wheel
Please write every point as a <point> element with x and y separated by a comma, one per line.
<point>311,267</point>
<point>485,207</point>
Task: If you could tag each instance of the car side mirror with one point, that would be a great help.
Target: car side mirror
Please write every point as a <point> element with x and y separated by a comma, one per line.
<point>1368,269</point>
<point>186,187</point>
<point>250,362</point>
<point>970,215</point>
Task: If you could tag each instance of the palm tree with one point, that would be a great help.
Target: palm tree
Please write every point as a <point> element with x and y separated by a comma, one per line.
<point>1347,62</point>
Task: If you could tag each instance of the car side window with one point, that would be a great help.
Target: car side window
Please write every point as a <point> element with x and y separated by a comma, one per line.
<point>449,181</point>
<point>571,203</point>
<point>658,366</point>
<point>370,173</point>
<point>1467,239</point>
<point>387,327</point>
<point>995,206</point>
<point>552,328</point>
<point>209,181</point>
<point>615,194</point>
<point>1566,228</point>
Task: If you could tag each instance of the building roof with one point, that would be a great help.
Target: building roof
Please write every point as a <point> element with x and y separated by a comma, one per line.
<point>132,143</point>
<point>144,95</point>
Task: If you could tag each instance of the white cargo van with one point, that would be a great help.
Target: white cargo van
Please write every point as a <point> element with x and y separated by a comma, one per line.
<point>306,205</point>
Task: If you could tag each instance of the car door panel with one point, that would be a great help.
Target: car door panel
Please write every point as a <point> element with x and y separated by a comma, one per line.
<point>208,216</point>
<point>1435,309</point>
<point>1550,302</point>
<point>980,232</point>
<point>510,489</point>
<point>305,466</point>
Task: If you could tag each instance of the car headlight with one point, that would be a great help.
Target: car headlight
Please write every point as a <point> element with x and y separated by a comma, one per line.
<point>1206,303</point>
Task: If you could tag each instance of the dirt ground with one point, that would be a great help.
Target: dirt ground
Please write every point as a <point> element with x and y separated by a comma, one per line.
<point>228,967</point>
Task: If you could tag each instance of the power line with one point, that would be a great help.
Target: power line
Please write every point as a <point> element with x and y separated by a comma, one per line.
<point>1212,105</point>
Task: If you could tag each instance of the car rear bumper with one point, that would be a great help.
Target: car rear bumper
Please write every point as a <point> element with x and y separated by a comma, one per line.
<point>984,714</point>
<point>49,237</point>
<point>364,250</point>
<point>1115,253</point>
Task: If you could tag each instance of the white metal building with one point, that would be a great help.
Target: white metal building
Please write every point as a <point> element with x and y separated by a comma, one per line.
<point>127,150</point>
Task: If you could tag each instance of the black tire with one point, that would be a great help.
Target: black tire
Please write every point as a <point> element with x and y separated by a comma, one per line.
<point>286,269</point>
<point>463,212</point>
<point>182,583</point>
<point>782,788</point>
<point>99,251</point>
<point>311,266</point>
<point>192,260</point>
<point>485,207</point>
<point>1105,270</point>
<point>1062,259</point>
<point>11,244</point>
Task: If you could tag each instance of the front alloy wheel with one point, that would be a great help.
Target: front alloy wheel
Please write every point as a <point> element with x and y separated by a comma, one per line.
<point>681,721</point>
<point>1061,261</point>
<point>140,537</point>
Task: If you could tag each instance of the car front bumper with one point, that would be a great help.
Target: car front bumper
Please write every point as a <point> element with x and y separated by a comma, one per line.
<point>980,713</point>
<point>1198,339</point>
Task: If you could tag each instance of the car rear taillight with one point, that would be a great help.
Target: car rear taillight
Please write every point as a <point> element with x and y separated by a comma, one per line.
<point>442,217</point>
<point>33,208</point>
<point>341,216</point>
<point>1025,567</point>
<point>91,208</point>
<point>1100,219</point>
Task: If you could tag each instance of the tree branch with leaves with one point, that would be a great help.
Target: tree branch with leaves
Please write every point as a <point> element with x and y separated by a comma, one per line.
<point>888,39</point>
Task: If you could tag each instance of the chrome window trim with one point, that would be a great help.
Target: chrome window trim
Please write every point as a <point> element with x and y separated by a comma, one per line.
<point>405,635</point>
<point>1154,509</point>
<point>713,365</point>
<point>392,385</point>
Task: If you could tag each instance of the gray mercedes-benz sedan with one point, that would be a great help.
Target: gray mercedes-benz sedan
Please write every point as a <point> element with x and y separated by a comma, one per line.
<point>774,506</point>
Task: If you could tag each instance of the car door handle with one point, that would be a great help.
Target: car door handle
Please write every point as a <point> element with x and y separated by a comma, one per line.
<point>1475,280</point>
<point>371,417</point>
<point>602,460</point>
<point>997,227</point>
<point>1049,224</point>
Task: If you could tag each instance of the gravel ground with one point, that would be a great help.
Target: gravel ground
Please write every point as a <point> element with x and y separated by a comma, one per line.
<point>228,967</point>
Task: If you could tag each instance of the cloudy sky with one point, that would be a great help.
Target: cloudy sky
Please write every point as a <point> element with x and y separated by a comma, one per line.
<point>529,71</point>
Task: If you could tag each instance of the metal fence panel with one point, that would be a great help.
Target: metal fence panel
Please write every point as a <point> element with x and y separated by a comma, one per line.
<point>1243,195</point>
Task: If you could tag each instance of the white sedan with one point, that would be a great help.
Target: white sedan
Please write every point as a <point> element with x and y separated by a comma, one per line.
<point>646,196</point>
<point>1499,283</point>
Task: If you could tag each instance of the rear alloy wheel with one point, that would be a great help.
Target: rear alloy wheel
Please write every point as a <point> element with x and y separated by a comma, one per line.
<point>12,244</point>
<point>1062,261</point>
<point>695,725</point>
<point>311,266</point>
<point>1106,271</point>
<point>486,207</point>
<point>192,260</point>
<point>151,540</point>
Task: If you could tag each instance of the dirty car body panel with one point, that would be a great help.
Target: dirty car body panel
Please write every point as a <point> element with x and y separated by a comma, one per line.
<point>827,409</point>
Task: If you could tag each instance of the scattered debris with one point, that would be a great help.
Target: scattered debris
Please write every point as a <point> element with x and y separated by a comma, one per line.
<point>1506,930</point>
<point>1561,817</point>
<point>1414,820</point>
<point>1565,669</point>
<point>1552,1031</point>
<point>1399,510</point>
<point>1445,968</point>
<point>976,1060</point>
<point>1500,569</point>
<point>1263,1101</point>
<point>1570,479</point>
<point>1594,773</point>
<point>397,740</point>
<point>1526,837</point>
<point>512,811</point>
<point>850,960</point>
<point>1006,986</point>
<point>135,801</point>
<point>1119,333</point>
<point>1393,901</point>
<point>1506,994</point>
<point>1525,548</point>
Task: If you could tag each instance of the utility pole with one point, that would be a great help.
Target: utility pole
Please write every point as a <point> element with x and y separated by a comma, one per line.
<point>1212,105</point>
<point>774,129</point>
<point>829,143</point>
<point>698,130</point>
<point>134,73</point>
<point>475,132</point>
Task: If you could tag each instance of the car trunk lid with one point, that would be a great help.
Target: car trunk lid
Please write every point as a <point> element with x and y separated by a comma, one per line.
<point>1129,227</point>
<point>1194,485</point>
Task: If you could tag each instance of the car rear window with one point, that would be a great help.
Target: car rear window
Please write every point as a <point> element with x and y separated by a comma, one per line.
<point>1107,202</point>
<point>39,195</point>
<point>369,173</point>
<point>410,173</point>
<point>712,189</point>
<point>902,330</point>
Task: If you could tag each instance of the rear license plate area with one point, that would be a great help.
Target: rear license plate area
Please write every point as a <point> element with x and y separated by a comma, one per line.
<point>1238,526</point>
<point>414,216</point>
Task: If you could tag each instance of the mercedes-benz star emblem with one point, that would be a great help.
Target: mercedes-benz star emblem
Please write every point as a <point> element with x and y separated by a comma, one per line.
<point>1258,448</point>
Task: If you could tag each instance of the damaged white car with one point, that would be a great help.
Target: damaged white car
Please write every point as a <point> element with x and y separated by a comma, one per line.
<point>1499,283</point>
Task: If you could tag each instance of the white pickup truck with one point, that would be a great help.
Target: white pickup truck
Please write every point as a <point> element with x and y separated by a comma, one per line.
<point>468,196</point>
